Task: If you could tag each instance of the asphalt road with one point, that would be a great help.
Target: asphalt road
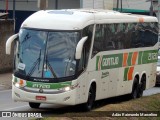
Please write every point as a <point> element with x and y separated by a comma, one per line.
<point>152,91</point>
<point>7,104</point>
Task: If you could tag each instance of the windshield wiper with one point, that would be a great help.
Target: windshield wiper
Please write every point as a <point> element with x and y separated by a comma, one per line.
<point>35,64</point>
<point>67,65</point>
<point>26,38</point>
<point>49,66</point>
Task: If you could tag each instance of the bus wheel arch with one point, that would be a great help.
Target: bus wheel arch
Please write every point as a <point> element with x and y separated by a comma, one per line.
<point>91,97</point>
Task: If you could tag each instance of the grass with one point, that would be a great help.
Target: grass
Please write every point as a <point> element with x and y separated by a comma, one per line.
<point>147,103</point>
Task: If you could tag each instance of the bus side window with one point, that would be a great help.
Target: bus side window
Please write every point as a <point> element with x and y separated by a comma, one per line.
<point>143,35</point>
<point>98,40</point>
<point>124,36</point>
<point>104,38</point>
<point>109,41</point>
<point>110,45</point>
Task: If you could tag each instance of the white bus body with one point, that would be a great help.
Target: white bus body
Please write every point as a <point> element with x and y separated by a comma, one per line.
<point>78,56</point>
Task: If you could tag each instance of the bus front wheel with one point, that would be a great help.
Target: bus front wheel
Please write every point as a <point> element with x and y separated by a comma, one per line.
<point>91,98</point>
<point>34,105</point>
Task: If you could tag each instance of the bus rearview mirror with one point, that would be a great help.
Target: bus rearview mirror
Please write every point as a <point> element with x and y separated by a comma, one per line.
<point>9,43</point>
<point>79,47</point>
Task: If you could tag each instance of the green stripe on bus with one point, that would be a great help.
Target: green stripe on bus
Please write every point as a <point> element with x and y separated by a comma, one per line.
<point>149,56</point>
<point>126,74</point>
<point>129,59</point>
<point>97,61</point>
<point>140,58</point>
<point>116,60</point>
<point>47,85</point>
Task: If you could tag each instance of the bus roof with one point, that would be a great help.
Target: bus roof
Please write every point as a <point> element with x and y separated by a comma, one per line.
<point>76,19</point>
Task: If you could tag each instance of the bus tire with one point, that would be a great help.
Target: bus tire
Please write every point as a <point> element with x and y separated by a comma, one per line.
<point>134,93</point>
<point>91,98</point>
<point>141,87</point>
<point>34,105</point>
<point>140,91</point>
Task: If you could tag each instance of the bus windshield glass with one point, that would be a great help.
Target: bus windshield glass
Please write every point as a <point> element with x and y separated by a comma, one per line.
<point>45,54</point>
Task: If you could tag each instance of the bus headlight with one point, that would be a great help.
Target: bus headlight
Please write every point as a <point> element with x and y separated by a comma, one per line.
<point>19,83</point>
<point>71,87</point>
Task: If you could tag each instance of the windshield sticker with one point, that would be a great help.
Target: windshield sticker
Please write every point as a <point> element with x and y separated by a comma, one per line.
<point>21,66</point>
<point>47,74</point>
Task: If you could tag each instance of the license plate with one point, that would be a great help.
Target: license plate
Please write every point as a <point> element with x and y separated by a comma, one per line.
<point>43,98</point>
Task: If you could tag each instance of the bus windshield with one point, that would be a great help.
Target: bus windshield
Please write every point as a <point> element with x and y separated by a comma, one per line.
<point>46,54</point>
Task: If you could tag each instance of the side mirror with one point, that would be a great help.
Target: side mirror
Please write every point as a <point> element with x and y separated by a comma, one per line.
<point>80,47</point>
<point>9,43</point>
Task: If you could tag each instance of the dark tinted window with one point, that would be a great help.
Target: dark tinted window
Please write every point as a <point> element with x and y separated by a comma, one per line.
<point>124,36</point>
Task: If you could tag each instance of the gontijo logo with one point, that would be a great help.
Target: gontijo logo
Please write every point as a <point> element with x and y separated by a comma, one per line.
<point>108,61</point>
<point>127,60</point>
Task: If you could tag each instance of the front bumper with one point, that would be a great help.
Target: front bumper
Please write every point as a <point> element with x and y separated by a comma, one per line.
<point>65,98</point>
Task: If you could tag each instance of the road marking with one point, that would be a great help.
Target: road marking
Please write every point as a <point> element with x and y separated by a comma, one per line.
<point>15,107</point>
<point>5,90</point>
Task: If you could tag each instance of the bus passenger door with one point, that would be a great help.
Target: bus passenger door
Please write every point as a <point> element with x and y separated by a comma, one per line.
<point>82,88</point>
<point>83,76</point>
<point>83,63</point>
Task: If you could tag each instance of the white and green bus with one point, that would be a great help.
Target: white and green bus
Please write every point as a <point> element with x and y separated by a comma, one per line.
<point>77,56</point>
